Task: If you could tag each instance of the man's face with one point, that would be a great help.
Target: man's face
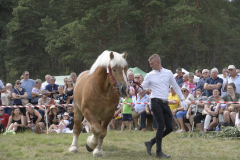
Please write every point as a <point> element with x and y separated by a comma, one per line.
<point>26,75</point>
<point>52,81</point>
<point>214,74</point>
<point>225,72</point>
<point>198,93</point>
<point>185,78</point>
<point>47,78</point>
<point>179,73</point>
<point>73,77</point>
<point>205,74</point>
<point>130,76</point>
<point>154,64</point>
<point>1,111</point>
<point>70,110</point>
<point>232,72</point>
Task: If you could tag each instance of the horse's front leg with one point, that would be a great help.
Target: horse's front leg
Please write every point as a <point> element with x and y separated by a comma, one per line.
<point>98,150</point>
<point>77,128</point>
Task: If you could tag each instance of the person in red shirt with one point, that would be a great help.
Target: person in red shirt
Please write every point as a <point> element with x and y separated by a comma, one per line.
<point>3,117</point>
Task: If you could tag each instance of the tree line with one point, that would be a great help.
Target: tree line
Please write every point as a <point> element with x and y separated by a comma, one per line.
<point>60,36</point>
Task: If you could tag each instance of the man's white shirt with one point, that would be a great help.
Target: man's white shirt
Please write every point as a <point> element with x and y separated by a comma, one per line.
<point>159,83</point>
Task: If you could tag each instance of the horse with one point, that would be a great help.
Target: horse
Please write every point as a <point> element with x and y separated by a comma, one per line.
<point>96,97</point>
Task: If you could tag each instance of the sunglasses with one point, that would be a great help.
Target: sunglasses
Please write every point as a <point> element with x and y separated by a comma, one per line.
<point>184,90</point>
<point>19,83</point>
<point>27,74</point>
<point>136,77</point>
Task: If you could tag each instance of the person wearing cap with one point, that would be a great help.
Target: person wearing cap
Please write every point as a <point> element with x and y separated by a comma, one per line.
<point>213,82</point>
<point>158,80</point>
<point>233,77</point>
<point>179,113</point>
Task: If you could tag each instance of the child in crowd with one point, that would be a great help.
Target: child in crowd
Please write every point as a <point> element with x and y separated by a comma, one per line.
<point>127,112</point>
<point>62,98</point>
<point>62,127</point>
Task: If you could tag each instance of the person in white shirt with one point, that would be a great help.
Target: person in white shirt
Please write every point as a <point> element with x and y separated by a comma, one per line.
<point>159,80</point>
<point>47,78</point>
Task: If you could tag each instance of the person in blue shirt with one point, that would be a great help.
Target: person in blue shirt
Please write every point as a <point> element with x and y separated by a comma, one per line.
<point>179,77</point>
<point>52,86</point>
<point>213,82</point>
<point>27,84</point>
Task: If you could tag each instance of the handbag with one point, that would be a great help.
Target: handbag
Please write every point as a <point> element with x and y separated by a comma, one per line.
<point>24,101</point>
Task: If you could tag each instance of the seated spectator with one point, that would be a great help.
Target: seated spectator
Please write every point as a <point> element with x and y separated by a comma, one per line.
<point>2,90</point>
<point>36,92</point>
<point>65,83</point>
<point>16,120</point>
<point>47,78</point>
<point>141,79</point>
<point>73,78</point>
<point>195,108</point>
<point>190,83</point>
<point>62,98</point>
<point>62,126</point>
<point>53,119</point>
<point>19,93</point>
<point>185,79</point>
<point>4,117</point>
<point>69,90</point>
<point>139,108</point>
<point>54,94</point>
<point>51,86</point>
<point>44,100</point>
<point>201,81</point>
<point>179,77</point>
<point>232,108</point>
<point>87,125</point>
<point>34,119</point>
<point>179,113</point>
<point>71,114</point>
<point>7,98</point>
<point>213,82</point>
<point>211,113</point>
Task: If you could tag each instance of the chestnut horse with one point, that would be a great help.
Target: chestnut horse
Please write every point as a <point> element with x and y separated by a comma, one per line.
<point>96,97</point>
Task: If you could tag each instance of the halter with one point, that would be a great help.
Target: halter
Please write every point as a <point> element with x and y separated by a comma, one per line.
<point>111,76</point>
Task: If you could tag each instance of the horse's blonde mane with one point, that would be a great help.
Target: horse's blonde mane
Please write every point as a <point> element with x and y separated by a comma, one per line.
<point>104,58</point>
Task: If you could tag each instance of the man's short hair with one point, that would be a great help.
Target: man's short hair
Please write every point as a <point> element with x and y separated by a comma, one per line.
<point>73,73</point>
<point>24,72</point>
<point>52,77</point>
<point>224,69</point>
<point>186,75</point>
<point>38,81</point>
<point>199,71</point>
<point>178,69</point>
<point>205,70</point>
<point>214,70</point>
<point>154,56</point>
<point>60,87</point>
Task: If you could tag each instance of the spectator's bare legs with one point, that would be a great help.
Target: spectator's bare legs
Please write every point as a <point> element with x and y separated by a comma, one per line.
<point>135,122</point>
<point>180,120</point>
<point>123,125</point>
<point>214,122</point>
<point>226,115</point>
<point>189,126</point>
<point>15,126</point>
<point>30,125</point>
<point>10,127</point>
<point>53,126</point>
<point>114,123</point>
<point>200,126</point>
<point>60,128</point>
<point>130,125</point>
<point>178,124</point>
<point>233,116</point>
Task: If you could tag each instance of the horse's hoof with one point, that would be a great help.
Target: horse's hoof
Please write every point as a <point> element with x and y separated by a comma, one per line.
<point>97,153</point>
<point>73,149</point>
<point>88,148</point>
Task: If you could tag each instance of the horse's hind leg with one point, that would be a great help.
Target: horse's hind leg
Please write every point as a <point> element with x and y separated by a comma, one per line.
<point>77,128</point>
<point>98,150</point>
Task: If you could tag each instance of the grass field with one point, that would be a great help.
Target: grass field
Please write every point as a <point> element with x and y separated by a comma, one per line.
<point>125,146</point>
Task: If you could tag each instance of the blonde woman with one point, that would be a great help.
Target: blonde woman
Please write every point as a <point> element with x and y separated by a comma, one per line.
<point>69,90</point>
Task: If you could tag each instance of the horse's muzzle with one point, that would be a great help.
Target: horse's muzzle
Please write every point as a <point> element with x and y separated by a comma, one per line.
<point>122,89</point>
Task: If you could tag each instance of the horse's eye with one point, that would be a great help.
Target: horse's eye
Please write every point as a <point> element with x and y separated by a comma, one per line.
<point>114,70</point>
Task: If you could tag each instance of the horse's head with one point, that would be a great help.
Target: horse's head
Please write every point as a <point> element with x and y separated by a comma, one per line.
<point>119,67</point>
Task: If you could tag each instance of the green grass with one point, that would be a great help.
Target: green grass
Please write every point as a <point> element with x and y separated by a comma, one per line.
<point>116,145</point>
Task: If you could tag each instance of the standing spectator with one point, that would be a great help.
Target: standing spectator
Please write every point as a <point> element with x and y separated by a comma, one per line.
<point>7,99</point>
<point>2,89</point>
<point>63,98</point>
<point>179,77</point>
<point>213,82</point>
<point>16,120</point>
<point>36,92</point>
<point>47,78</point>
<point>74,78</point>
<point>191,84</point>
<point>127,113</point>
<point>198,73</point>
<point>65,82</point>
<point>69,90</point>
<point>224,72</point>
<point>234,77</point>
<point>185,79</point>
<point>179,113</point>
<point>3,117</point>
<point>238,71</point>
<point>141,79</point>
<point>18,94</point>
<point>52,86</point>
<point>27,84</point>
<point>130,76</point>
<point>201,81</point>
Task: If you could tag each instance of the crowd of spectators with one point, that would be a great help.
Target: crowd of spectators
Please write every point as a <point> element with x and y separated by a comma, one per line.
<point>210,89</point>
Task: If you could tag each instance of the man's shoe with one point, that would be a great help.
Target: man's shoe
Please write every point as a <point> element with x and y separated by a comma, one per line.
<point>149,145</point>
<point>161,155</point>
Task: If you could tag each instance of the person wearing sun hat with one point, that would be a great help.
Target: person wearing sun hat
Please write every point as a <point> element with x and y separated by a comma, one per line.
<point>53,119</point>
<point>179,113</point>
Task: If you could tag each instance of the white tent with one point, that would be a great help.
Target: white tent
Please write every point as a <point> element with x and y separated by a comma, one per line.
<point>196,79</point>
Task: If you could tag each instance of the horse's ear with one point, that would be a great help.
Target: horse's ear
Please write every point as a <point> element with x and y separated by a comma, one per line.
<point>125,55</point>
<point>111,55</point>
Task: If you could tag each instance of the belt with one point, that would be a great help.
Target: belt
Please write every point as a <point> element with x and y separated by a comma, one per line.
<point>162,100</point>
